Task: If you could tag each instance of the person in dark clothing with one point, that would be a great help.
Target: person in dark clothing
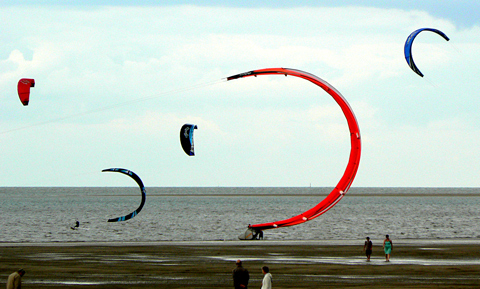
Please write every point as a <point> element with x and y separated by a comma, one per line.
<point>257,235</point>
<point>240,276</point>
<point>368,248</point>
<point>77,224</point>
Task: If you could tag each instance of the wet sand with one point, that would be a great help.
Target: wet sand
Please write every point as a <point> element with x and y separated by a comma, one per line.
<point>302,264</point>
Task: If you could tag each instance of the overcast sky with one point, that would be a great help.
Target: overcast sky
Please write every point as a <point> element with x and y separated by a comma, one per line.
<point>115,82</point>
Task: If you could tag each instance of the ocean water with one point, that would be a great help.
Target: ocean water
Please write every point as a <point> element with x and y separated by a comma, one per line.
<point>200,214</point>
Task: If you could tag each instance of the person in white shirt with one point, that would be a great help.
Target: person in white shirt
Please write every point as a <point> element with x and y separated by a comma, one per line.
<point>267,278</point>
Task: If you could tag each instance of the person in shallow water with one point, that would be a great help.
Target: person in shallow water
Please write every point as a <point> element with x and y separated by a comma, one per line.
<point>387,247</point>
<point>368,247</point>
<point>240,276</point>
<point>77,224</point>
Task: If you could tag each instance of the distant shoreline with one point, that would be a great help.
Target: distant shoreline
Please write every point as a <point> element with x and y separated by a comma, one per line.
<point>262,191</point>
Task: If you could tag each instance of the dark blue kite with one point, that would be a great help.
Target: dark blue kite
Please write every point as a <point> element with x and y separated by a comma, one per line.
<point>142,189</point>
<point>408,47</point>
<point>186,138</point>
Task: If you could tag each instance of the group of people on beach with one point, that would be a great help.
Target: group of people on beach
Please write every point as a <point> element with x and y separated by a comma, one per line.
<point>387,248</point>
<point>240,274</point>
<point>241,277</point>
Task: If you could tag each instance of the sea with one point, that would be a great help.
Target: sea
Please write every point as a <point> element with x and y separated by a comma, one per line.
<point>46,214</point>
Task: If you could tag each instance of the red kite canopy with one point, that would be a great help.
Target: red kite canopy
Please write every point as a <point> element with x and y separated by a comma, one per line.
<point>346,181</point>
<point>23,88</point>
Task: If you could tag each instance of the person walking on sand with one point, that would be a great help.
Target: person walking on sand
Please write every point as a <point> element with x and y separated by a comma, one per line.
<point>15,279</point>
<point>368,247</point>
<point>267,278</point>
<point>387,247</point>
<point>240,276</point>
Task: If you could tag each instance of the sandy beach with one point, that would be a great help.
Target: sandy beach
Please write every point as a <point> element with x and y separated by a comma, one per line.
<point>302,264</point>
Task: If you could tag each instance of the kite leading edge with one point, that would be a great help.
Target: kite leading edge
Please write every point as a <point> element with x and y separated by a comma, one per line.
<point>345,182</point>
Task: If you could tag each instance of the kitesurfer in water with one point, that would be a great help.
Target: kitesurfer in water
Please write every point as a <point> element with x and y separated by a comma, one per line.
<point>240,276</point>
<point>387,247</point>
<point>368,248</point>
<point>77,224</point>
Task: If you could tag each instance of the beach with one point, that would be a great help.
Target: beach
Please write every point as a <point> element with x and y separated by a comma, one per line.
<point>208,264</point>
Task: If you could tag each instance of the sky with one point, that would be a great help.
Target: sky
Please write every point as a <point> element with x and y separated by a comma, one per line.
<point>116,80</point>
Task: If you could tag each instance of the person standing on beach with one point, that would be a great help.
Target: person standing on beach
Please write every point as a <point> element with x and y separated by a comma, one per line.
<point>240,276</point>
<point>15,279</point>
<point>368,247</point>
<point>267,278</point>
<point>387,247</point>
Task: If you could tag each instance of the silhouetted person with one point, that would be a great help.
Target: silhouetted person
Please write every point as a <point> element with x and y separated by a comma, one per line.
<point>77,224</point>
<point>368,247</point>
<point>257,235</point>
<point>240,276</point>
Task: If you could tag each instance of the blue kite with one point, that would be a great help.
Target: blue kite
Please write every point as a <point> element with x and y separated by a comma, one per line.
<point>142,189</point>
<point>408,47</point>
<point>186,138</point>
